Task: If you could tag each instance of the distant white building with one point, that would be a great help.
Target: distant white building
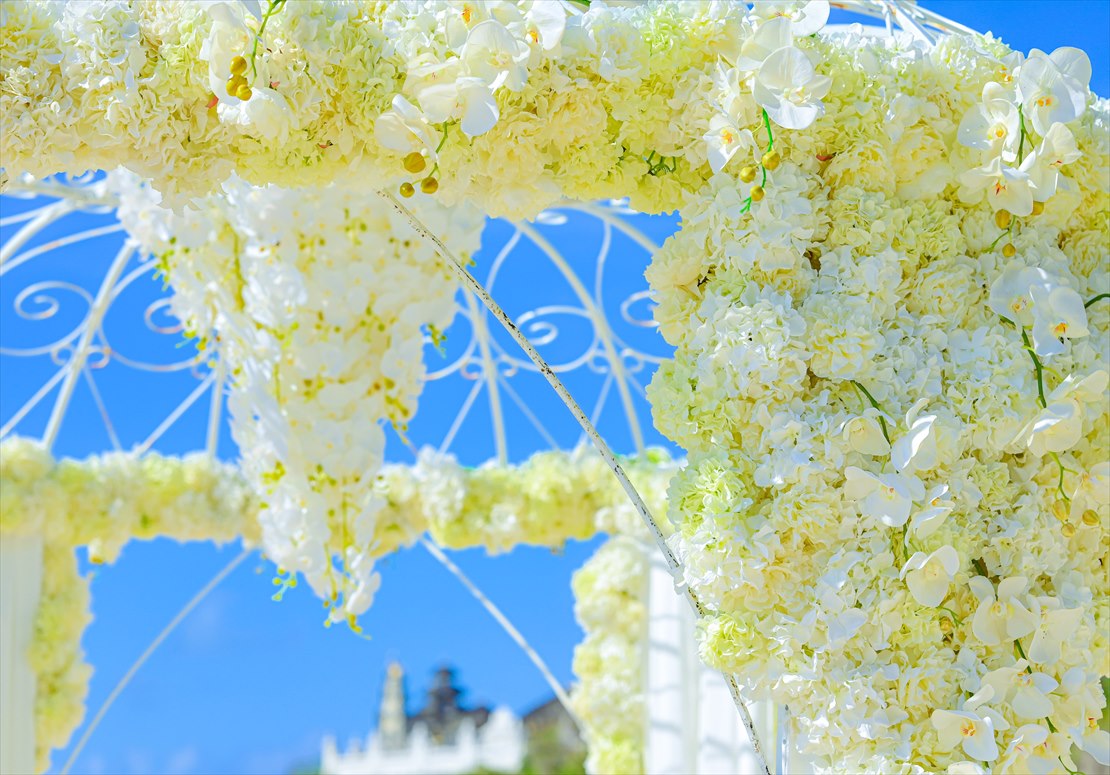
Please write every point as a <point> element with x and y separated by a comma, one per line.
<point>443,738</point>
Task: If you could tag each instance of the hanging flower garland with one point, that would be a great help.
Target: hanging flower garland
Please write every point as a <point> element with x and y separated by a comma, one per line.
<point>610,593</point>
<point>319,301</point>
<point>891,379</point>
<point>101,503</point>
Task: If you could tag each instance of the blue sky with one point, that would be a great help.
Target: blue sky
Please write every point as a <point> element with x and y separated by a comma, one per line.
<point>249,685</point>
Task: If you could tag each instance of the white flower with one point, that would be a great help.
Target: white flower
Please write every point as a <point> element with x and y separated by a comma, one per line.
<point>1059,426</point>
<point>1026,692</point>
<point>788,87</point>
<point>1056,149</point>
<point>1003,617</point>
<point>494,55</point>
<point>468,99</point>
<point>724,139</point>
<point>928,575</point>
<point>1010,294</point>
<point>993,124</point>
<point>973,733</point>
<point>806,16</point>
<point>917,449</point>
<point>1054,87</point>
<point>547,21</point>
<point>1093,740</point>
<point>1027,738</point>
<point>864,434</point>
<point>966,768</point>
<point>1007,188</point>
<point>936,510</point>
<point>886,497</point>
<point>769,37</point>
<point>1055,628</point>
<point>403,128</point>
<point>1058,313</point>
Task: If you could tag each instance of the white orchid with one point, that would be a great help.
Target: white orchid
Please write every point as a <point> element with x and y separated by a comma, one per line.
<point>968,730</point>
<point>806,16</point>
<point>993,124</point>
<point>1023,745</point>
<point>404,128</point>
<point>769,37</point>
<point>496,56</point>
<point>864,434</point>
<point>546,21</point>
<point>467,98</point>
<point>1057,148</point>
<point>1003,616</point>
<point>1055,627</point>
<point>928,575</point>
<point>1054,87</point>
<point>788,87</point>
<point>1058,313</point>
<point>937,508</point>
<point>917,449</point>
<point>1026,692</point>
<point>1059,425</point>
<point>724,139</point>
<point>1007,188</point>
<point>1010,296</point>
<point>888,498</point>
<point>1093,739</point>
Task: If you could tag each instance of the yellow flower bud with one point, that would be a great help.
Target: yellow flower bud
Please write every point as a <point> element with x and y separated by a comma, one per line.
<point>1059,510</point>
<point>244,92</point>
<point>771,159</point>
<point>1038,208</point>
<point>747,174</point>
<point>1090,519</point>
<point>429,185</point>
<point>1068,530</point>
<point>238,65</point>
<point>407,190</point>
<point>414,162</point>
<point>1002,219</point>
<point>234,83</point>
<point>1009,250</point>
<point>757,193</point>
<point>946,625</point>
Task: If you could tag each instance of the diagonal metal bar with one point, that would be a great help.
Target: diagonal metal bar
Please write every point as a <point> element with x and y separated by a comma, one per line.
<point>470,282</point>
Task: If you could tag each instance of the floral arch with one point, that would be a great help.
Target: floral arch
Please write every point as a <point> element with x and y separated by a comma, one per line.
<point>888,303</point>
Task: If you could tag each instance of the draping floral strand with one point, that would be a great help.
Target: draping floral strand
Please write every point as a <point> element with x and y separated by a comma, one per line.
<point>504,104</point>
<point>104,502</point>
<point>610,594</point>
<point>891,380</point>
<point>318,301</point>
<point>101,503</point>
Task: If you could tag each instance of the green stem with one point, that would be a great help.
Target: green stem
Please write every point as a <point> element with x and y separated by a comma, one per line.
<point>1060,481</point>
<point>770,135</point>
<point>1021,137</point>
<point>959,622</point>
<point>1036,366</point>
<point>274,6</point>
<point>1096,298</point>
<point>875,405</point>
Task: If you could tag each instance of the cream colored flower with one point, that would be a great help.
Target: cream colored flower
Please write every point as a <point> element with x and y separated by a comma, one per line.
<point>928,575</point>
<point>788,87</point>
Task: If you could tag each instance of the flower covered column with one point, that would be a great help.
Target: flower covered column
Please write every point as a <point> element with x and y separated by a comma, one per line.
<point>20,589</point>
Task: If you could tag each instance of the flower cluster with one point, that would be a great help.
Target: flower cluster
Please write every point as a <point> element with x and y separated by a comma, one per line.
<point>508,105</point>
<point>101,503</point>
<point>318,300</point>
<point>610,592</point>
<point>896,501</point>
<point>547,500</point>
